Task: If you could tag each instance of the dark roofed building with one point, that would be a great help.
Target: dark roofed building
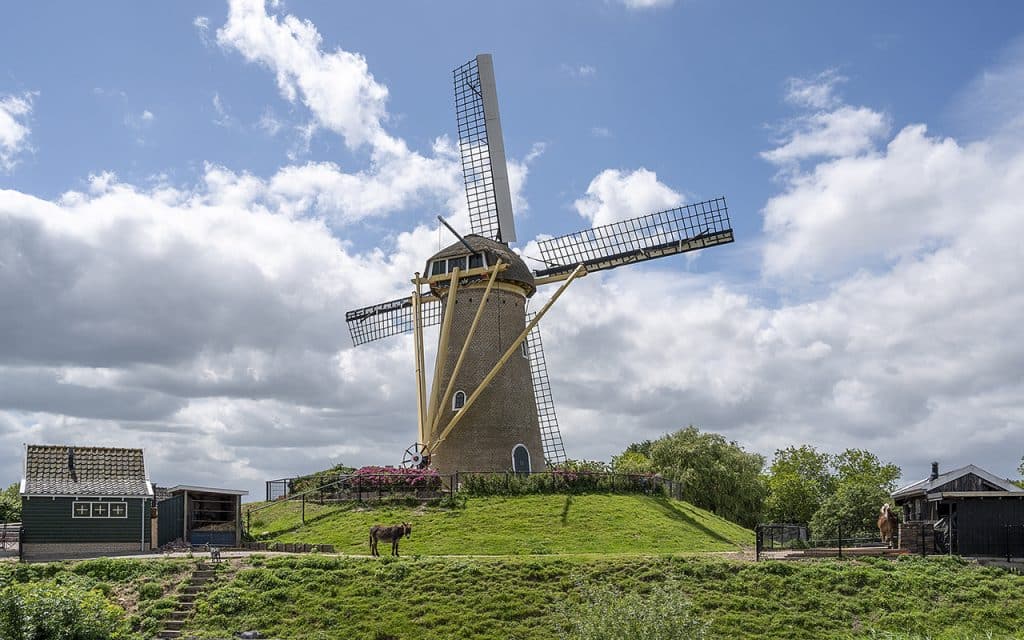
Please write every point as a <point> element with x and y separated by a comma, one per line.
<point>80,501</point>
<point>974,512</point>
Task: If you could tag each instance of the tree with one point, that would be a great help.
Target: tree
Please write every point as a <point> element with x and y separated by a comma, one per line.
<point>716,474</point>
<point>863,484</point>
<point>632,462</point>
<point>10,504</point>
<point>799,481</point>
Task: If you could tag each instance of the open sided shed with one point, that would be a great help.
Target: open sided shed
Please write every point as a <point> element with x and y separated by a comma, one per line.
<point>201,515</point>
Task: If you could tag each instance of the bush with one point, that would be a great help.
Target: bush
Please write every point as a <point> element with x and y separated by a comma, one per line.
<point>58,612</point>
<point>609,614</point>
<point>562,479</point>
<point>150,591</point>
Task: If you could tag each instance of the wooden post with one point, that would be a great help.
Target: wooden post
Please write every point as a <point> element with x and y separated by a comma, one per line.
<point>303,508</point>
<point>418,348</point>
<point>442,348</point>
<point>508,354</point>
<point>465,347</point>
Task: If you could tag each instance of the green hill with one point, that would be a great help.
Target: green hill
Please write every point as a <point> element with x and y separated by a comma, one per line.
<point>533,524</point>
<point>314,597</point>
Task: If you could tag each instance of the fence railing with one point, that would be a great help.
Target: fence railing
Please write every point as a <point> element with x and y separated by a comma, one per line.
<point>10,537</point>
<point>362,487</point>
<point>792,540</point>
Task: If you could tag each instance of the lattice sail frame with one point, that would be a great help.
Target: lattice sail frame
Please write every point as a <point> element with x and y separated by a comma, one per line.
<point>390,318</point>
<point>482,148</point>
<point>550,434</point>
<point>678,230</point>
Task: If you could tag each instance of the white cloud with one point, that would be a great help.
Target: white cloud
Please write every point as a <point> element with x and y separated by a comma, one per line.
<point>14,130</point>
<point>147,116</point>
<point>270,123</point>
<point>224,117</point>
<point>580,70</point>
<point>647,4</point>
<point>615,195</point>
<point>832,130</point>
<point>600,132</point>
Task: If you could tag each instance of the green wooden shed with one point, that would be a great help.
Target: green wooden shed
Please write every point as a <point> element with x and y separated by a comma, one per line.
<point>84,501</point>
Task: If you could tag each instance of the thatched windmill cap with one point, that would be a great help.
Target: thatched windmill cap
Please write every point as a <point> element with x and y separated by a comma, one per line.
<point>517,272</point>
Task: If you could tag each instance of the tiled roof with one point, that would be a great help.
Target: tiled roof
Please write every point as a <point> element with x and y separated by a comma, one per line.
<point>89,471</point>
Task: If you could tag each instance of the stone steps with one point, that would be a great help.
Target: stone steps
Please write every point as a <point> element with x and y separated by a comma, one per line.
<point>202,577</point>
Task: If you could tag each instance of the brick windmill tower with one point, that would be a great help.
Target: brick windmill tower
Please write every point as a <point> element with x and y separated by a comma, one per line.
<point>489,407</point>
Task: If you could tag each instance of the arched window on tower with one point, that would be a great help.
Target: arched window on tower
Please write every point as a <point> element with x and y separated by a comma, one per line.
<point>458,400</point>
<point>520,459</point>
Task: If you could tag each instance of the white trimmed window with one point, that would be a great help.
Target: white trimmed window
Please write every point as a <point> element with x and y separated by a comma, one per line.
<point>525,348</point>
<point>458,400</point>
<point>90,509</point>
<point>521,459</point>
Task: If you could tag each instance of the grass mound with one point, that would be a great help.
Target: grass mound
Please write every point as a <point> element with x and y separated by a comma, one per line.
<point>534,524</point>
<point>534,598</point>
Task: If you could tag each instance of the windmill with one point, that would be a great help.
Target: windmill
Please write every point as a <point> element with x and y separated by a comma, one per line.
<point>489,407</point>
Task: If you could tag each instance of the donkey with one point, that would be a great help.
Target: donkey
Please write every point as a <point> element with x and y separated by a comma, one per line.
<point>888,526</point>
<point>388,534</point>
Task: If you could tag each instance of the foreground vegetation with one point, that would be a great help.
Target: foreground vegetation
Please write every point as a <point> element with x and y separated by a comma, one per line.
<point>585,598</point>
<point>88,600</point>
<point>495,525</point>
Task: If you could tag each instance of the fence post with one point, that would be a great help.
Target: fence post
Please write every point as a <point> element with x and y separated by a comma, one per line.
<point>839,532</point>
<point>507,487</point>
<point>303,508</point>
<point>248,522</point>
<point>1007,542</point>
<point>758,542</point>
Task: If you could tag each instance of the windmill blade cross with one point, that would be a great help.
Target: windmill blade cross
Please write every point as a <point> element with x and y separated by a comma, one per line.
<point>657,235</point>
<point>483,150</point>
<point>390,318</point>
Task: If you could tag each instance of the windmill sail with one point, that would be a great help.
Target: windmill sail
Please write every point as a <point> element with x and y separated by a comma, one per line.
<point>550,435</point>
<point>483,150</point>
<point>666,233</point>
<point>390,319</point>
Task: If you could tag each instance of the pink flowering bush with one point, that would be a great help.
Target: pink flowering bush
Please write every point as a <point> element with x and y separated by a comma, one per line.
<point>396,478</point>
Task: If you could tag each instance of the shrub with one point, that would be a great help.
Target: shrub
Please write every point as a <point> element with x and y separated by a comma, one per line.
<point>58,612</point>
<point>150,591</point>
<point>609,614</point>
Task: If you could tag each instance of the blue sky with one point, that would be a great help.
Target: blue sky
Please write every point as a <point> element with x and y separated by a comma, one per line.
<point>232,194</point>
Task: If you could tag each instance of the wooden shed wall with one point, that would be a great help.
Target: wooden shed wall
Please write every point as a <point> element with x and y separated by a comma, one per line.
<point>49,520</point>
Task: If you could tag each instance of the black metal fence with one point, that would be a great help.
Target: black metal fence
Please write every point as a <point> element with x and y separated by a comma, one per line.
<point>368,486</point>
<point>790,541</point>
<point>10,538</point>
<point>426,486</point>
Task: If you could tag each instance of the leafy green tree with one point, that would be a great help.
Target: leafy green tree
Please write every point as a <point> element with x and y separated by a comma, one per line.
<point>632,462</point>
<point>799,480</point>
<point>716,474</point>
<point>10,504</point>
<point>863,483</point>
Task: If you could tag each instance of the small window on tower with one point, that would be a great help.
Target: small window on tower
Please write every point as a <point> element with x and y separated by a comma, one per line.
<point>456,262</point>
<point>476,261</point>
<point>437,268</point>
<point>525,349</point>
<point>458,400</point>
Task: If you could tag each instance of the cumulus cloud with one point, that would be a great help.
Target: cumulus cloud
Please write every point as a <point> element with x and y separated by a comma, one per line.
<point>615,195</point>
<point>833,129</point>
<point>14,130</point>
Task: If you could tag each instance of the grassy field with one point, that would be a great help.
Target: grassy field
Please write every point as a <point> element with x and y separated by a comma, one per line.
<point>531,598</point>
<point>521,525</point>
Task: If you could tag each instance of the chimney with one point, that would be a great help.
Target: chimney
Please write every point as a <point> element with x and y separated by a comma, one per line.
<point>935,471</point>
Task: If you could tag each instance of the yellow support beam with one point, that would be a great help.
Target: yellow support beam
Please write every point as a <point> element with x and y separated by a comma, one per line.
<point>417,324</point>
<point>499,267</point>
<point>504,358</point>
<point>442,348</point>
